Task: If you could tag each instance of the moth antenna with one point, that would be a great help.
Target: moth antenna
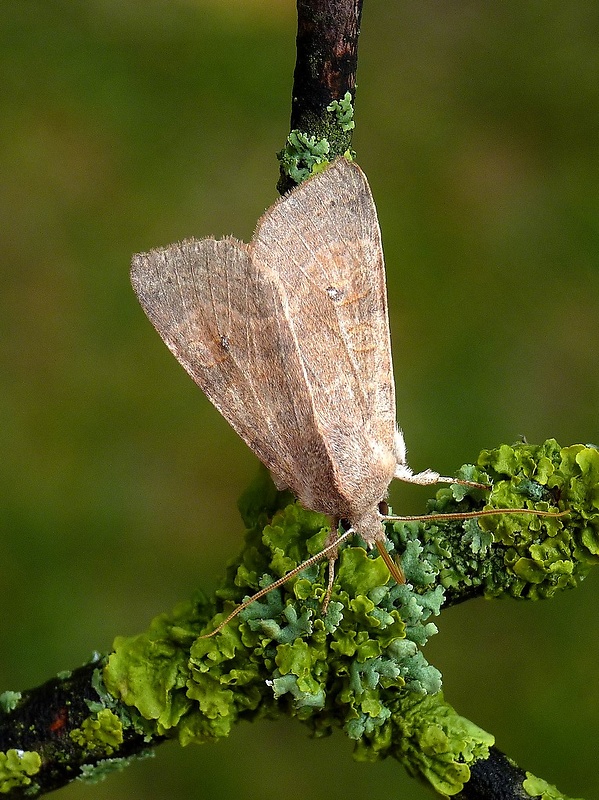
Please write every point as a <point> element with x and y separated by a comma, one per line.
<point>473,514</point>
<point>280,581</point>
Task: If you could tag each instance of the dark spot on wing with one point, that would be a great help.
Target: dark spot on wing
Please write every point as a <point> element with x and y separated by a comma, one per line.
<point>335,294</point>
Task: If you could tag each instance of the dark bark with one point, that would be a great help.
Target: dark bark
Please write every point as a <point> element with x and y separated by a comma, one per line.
<point>43,720</point>
<point>325,69</point>
<point>496,778</point>
<point>327,57</point>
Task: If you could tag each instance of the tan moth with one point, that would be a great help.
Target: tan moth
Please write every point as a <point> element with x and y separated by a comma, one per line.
<point>288,336</point>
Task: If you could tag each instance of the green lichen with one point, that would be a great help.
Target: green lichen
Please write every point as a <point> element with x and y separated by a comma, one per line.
<point>303,155</point>
<point>344,112</point>
<point>360,666</point>
<point>17,767</point>
<point>150,671</point>
<point>105,699</point>
<point>514,555</point>
<point>547,555</point>
<point>321,139</point>
<point>64,674</point>
<point>95,773</point>
<point>434,743</point>
<point>129,717</point>
<point>102,731</point>
<point>538,788</point>
<point>9,700</point>
<point>332,668</point>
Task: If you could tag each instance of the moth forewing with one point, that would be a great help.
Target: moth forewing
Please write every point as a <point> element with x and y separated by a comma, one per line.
<point>224,320</point>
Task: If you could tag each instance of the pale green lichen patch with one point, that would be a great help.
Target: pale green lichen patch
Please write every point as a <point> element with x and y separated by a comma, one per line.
<point>9,700</point>
<point>308,151</point>
<point>95,773</point>
<point>344,112</point>
<point>281,654</point>
<point>99,732</point>
<point>128,716</point>
<point>334,668</point>
<point>303,154</point>
<point>431,741</point>
<point>538,788</point>
<point>544,556</point>
<point>149,671</point>
<point>17,768</point>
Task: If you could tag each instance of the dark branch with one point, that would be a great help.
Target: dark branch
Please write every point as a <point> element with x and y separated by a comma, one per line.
<point>495,778</point>
<point>325,72</point>
<point>50,721</point>
<point>327,58</point>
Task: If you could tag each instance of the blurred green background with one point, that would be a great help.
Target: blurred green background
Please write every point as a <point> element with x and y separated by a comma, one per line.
<point>128,125</point>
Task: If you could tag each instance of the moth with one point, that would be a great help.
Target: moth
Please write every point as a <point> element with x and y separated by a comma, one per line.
<point>288,336</point>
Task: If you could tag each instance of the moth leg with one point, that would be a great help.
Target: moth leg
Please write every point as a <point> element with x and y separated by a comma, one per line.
<point>404,472</point>
<point>428,477</point>
<point>331,539</point>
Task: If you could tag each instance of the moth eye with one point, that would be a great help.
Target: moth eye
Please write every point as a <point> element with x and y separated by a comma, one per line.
<point>334,293</point>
